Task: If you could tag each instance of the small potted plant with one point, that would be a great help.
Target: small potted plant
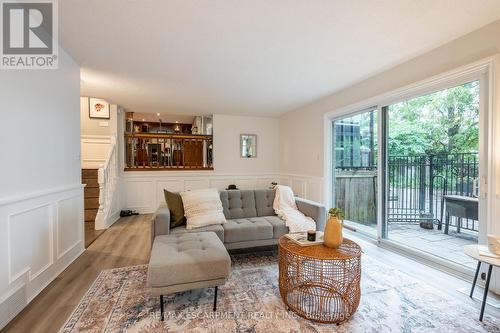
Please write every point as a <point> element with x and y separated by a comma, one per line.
<point>333,229</point>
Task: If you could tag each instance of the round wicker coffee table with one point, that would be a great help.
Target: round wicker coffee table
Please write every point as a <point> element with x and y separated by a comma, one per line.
<point>319,283</point>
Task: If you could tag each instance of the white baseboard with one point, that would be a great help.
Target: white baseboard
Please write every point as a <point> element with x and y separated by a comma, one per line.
<point>87,164</point>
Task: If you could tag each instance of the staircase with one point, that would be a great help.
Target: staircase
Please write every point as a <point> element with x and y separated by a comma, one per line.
<point>91,204</point>
<point>101,200</point>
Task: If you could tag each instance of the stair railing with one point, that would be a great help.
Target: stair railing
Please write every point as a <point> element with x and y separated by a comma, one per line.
<point>107,176</point>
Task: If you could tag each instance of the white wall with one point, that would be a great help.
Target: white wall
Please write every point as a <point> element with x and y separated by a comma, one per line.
<point>95,135</point>
<point>143,191</point>
<point>39,129</point>
<point>41,196</point>
<point>227,130</point>
<point>309,120</point>
<point>94,126</point>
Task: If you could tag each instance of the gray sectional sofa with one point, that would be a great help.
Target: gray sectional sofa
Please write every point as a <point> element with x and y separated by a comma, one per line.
<point>251,221</point>
<point>201,260</point>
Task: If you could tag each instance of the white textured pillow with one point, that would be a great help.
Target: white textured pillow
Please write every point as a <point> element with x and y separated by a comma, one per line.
<point>202,208</point>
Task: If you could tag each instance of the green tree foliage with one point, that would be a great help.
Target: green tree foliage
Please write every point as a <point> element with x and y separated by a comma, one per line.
<point>446,121</point>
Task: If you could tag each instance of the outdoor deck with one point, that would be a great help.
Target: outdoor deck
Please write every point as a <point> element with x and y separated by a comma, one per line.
<point>435,242</point>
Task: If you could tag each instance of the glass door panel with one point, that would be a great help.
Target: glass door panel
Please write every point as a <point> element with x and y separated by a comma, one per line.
<point>432,172</point>
<point>355,170</point>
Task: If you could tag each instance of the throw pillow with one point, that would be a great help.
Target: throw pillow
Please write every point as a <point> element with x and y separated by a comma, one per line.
<point>202,208</point>
<point>174,202</point>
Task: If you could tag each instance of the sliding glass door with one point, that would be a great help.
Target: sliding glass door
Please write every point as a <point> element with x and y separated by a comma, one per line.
<point>355,169</point>
<point>409,172</point>
<point>432,170</point>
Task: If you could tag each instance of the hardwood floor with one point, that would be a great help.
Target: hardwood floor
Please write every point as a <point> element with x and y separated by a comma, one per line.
<point>442,280</point>
<point>126,243</point>
<point>91,234</point>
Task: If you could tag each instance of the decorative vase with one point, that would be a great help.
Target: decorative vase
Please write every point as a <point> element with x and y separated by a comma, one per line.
<point>333,232</point>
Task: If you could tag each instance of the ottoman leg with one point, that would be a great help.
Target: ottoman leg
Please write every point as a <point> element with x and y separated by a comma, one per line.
<point>215,298</point>
<point>161,308</point>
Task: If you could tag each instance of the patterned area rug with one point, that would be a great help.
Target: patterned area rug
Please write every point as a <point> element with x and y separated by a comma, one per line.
<point>391,301</point>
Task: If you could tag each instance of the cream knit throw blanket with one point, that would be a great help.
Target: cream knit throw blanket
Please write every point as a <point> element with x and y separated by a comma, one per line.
<point>284,206</point>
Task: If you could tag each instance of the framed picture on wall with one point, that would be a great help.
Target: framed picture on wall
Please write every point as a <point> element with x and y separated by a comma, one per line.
<point>248,145</point>
<point>98,108</point>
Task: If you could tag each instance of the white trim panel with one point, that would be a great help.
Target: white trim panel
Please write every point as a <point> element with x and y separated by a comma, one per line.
<point>40,235</point>
<point>307,187</point>
<point>144,191</point>
<point>94,149</point>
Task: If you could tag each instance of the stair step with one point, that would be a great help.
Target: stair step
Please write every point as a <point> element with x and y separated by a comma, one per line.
<point>90,215</point>
<point>91,203</point>
<point>90,182</point>
<point>91,192</point>
<point>91,195</point>
<point>89,173</point>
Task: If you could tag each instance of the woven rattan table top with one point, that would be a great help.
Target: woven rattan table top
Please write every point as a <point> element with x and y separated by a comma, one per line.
<point>347,250</point>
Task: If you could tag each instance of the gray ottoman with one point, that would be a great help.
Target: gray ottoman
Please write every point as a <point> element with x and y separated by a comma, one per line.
<point>187,261</point>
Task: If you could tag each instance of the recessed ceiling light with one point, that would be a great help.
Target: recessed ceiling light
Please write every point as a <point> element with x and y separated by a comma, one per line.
<point>158,114</point>
<point>176,121</point>
<point>143,119</point>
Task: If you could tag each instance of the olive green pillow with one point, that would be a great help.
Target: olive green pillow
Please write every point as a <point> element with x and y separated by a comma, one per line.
<point>174,202</point>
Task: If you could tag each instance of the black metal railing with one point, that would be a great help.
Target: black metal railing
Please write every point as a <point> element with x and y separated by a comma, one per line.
<point>418,184</point>
<point>416,188</point>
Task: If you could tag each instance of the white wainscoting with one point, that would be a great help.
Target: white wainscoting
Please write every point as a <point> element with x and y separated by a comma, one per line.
<point>40,235</point>
<point>94,150</point>
<point>143,191</point>
<point>116,205</point>
<point>305,186</point>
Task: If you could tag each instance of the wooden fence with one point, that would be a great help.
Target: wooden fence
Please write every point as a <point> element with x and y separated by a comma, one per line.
<point>356,195</point>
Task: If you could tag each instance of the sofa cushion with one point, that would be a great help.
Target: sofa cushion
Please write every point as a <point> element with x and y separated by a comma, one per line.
<point>202,208</point>
<point>279,227</point>
<point>238,204</point>
<point>264,200</point>
<point>245,229</point>
<point>174,203</point>
<point>187,258</point>
<point>217,228</point>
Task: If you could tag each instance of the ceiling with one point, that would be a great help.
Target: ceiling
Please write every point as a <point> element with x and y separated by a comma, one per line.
<point>250,57</point>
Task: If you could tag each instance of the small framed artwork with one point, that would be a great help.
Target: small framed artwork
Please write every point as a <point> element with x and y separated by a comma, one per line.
<point>248,145</point>
<point>98,108</point>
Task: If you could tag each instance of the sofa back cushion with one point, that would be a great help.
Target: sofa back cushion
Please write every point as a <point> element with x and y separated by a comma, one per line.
<point>202,208</point>
<point>264,202</point>
<point>174,202</point>
<point>238,203</point>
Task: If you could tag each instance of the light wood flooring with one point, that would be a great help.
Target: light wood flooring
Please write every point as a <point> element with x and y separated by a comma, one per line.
<point>126,243</point>
<point>91,234</point>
